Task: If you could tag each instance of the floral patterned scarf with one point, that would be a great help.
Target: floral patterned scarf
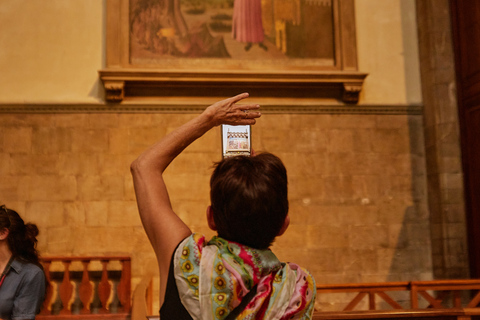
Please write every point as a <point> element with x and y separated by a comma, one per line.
<point>212,278</point>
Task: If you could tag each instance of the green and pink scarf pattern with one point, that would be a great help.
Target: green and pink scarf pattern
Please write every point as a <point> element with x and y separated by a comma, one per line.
<point>213,277</point>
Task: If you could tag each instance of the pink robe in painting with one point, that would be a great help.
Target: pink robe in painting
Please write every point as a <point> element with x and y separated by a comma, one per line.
<point>247,21</point>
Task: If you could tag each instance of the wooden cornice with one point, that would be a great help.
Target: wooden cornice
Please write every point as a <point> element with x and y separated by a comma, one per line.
<point>144,83</point>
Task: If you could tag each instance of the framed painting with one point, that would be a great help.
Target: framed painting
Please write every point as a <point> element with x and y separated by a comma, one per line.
<point>274,48</point>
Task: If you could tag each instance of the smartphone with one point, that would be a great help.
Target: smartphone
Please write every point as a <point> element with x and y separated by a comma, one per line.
<point>236,141</point>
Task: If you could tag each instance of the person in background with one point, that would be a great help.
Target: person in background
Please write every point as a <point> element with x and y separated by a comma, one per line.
<point>22,280</point>
<point>234,275</point>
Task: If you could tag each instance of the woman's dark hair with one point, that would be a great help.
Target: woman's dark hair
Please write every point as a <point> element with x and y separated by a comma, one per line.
<point>22,238</point>
<point>249,199</point>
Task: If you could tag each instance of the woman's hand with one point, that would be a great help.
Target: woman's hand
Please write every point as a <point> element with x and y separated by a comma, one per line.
<point>229,112</point>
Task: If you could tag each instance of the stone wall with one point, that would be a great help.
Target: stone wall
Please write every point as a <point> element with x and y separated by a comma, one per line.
<point>356,187</point>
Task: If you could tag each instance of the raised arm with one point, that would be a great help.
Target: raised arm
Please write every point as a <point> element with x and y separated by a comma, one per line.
<point>164,228</point>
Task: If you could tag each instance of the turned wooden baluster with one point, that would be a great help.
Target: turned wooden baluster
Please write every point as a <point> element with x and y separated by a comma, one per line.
<point>104,288</point>
<point>123,289</point>
<point>49,289</point>
<point>86,288</point>
<point>66,288</point>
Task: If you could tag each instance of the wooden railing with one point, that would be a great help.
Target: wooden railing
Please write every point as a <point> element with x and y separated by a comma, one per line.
<point>90,286</point>
<point>439,299</point>
<point>435,294</point>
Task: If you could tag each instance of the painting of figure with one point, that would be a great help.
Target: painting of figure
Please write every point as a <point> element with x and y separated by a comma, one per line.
<point>247,26</point>
<point>268,30</point>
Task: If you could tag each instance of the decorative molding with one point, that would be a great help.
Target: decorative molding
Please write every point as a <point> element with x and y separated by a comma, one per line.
<point>351,92</point>
<point>267,108</point>
<point>135,83</point>
<point>114,90</point>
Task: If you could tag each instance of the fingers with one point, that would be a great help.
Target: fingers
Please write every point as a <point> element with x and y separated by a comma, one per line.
<point>229,112</point>
<point>239,97</point>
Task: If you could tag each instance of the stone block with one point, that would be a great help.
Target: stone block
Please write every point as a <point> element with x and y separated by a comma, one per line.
<point>89,140</point>
<point>71,120</point>
<point>103,120</point>
<point>52,140</point>
<point>345,121</point>
<point>306,187</point>
<point>391,141</point>
<point>323,237</point>
<point>123,214</point>
<point>5,161</point>
<point>396,164</point>
<point>456,231</point>
<point>194,163</point>
<point>450,164</point>
<point>362,261</point>
<point>142,138</point>
<point>138,120</point>
<point>368,237</point>
<point>338,188</point>
<point>394,212</point>
<point>45,214</point>
<point>187,186</point>
<point>282,139</point>
<point>362,141</point>
<point>100,188</point>
<point>451,180</point>
<point>28,120</point>
<point>96,213</point>
<point>17,139</point>
<point>119,141</point>
<point>114,165</point>
<point>52,187</point>
<point>30,164</point>
<point>366,188</point>
<point>74,213</point>
<point>294,235</point>
<point>392,121</point>
<point>452,196</point>
<point>339,140</point>
<point>61,240</point>
<point>98,240</point>
<point>343,163</point>
<point>454,213</point>
<point>78,164</point>
<point>276,121</point>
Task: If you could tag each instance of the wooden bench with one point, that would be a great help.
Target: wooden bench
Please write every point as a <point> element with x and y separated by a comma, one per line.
<point>87,287</point>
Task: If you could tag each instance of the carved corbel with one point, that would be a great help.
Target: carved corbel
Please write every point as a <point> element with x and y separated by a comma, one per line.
<point>351,92</point>
<point>114,90</point>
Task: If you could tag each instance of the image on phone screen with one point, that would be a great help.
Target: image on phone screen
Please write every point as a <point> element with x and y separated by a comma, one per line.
<point>236,141</point>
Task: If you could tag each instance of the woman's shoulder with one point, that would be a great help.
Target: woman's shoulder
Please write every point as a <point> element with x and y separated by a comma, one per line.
<point>24,267</point>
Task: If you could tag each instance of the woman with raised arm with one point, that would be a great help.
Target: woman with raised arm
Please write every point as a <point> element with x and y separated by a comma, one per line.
<point>234,275</point>
<point>22,281</point>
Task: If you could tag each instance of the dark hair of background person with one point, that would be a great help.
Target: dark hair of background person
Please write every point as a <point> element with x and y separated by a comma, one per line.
<point>249,199</point>
<point>22,238</point>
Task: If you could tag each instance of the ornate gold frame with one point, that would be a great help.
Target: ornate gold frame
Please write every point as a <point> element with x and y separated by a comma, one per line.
<point>123,80</point>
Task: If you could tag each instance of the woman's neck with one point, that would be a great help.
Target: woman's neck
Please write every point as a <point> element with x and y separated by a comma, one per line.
<point>5,255</point>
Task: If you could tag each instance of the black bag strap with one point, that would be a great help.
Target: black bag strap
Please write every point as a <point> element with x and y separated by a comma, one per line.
<point>243,304</point>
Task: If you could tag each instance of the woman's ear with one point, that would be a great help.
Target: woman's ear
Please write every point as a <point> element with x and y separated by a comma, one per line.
<point>285,225</point>
<point>4,233</point>
<point>210,220</point>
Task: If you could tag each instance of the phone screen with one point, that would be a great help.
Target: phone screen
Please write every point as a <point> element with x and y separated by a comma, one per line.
<point>236,141</point>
